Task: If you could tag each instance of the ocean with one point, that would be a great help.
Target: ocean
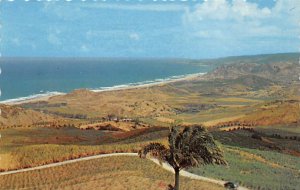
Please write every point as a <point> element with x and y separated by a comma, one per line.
<point>26,78</point>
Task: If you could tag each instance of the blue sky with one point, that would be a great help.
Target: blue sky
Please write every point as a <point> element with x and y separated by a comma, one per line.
<point>189,29</point>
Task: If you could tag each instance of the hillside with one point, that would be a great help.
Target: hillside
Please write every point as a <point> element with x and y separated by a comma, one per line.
<point>281,112</point>
<point>276,71</point>
<point>259,59</point>
<point>14,116</point>
<point>244,82</point>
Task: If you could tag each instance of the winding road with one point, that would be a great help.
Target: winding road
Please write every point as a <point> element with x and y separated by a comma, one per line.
<point>164,165</point>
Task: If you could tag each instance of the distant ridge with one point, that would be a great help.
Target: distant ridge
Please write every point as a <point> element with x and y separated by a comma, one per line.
<point>283,67</point>
<point>263,55</point>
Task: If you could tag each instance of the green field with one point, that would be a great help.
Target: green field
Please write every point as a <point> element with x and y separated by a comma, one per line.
<point>256,169</point>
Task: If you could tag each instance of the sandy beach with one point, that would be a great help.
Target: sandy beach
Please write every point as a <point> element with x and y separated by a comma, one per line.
<point>46,97</point>
<point>147,85</point>
<point>29,100</point>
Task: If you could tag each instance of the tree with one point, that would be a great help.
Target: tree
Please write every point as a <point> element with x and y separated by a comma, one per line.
<point>191,147</point>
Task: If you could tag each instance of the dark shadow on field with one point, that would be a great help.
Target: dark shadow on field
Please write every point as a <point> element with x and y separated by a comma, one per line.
<point>75,136</point>
<point>259,140</point>
<point>139,135</point>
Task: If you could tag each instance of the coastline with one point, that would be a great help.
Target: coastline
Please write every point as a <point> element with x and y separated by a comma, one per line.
<point>147,84</point>
<point>138,85</point>
<point>30,99</point>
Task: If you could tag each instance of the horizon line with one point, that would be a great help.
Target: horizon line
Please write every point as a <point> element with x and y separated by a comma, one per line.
<point>158,58</point>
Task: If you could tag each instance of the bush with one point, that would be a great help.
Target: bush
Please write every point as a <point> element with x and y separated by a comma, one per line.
<point>256,136</point>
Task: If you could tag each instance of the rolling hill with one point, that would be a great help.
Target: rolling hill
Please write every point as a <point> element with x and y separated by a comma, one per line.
<point>15,116</point>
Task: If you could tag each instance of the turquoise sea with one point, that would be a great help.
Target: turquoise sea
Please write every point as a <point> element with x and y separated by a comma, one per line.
<point>25,78</point>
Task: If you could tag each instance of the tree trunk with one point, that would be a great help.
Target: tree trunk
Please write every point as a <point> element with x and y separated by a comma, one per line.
<point>176,187</point>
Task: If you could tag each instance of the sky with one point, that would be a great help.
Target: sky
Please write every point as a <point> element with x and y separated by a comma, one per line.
<point>148,28</point>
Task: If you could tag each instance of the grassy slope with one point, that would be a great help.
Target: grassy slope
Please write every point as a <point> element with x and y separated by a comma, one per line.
<point>13,116</point>
<point>116,173</point>
<point>257,169</point>
<point>274,114</point>
<point>28,147</point>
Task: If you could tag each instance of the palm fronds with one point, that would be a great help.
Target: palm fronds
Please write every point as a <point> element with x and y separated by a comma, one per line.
<point>191,147</point>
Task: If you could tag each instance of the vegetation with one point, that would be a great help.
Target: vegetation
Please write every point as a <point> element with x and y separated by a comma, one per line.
<point>193,146</point>
<point>26,147</point>
<point>112,173</point>
<point>36,155</point>
<point>256,169</point>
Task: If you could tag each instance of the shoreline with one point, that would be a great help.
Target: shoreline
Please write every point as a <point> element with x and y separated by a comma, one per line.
<point>130,86</point>
<point>156,82</point>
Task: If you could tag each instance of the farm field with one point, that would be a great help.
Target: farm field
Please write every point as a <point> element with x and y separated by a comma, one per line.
<point>249,166</point>
<point>117,173</point>
<point>28,147</point>
<point>249,159</point>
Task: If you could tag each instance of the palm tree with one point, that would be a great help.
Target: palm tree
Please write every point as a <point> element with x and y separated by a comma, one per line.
<point>191,147</point>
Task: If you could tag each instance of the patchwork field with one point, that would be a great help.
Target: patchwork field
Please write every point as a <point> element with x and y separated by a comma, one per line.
<point>117,173</point>
<point>250,106</point>
<point>28,147</point>
<point>256,169</point>
<point>250,159</point>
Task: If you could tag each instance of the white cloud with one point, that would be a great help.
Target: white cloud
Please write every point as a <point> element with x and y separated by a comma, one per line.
<point>53,36</point>
<point>64,10</point>
<point>33,46</point>
<point>108,34</point>
<point>222,19</point>
<point>138,7</point>
<point>288,10</point>
<point>134,36</point>
<point>224,10</point>
<point>16,41</point>
<point>244,9</point>
<point>92,34</point>
<point>239,27</point>
<point>84,48</point>
<point>53,39</point>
